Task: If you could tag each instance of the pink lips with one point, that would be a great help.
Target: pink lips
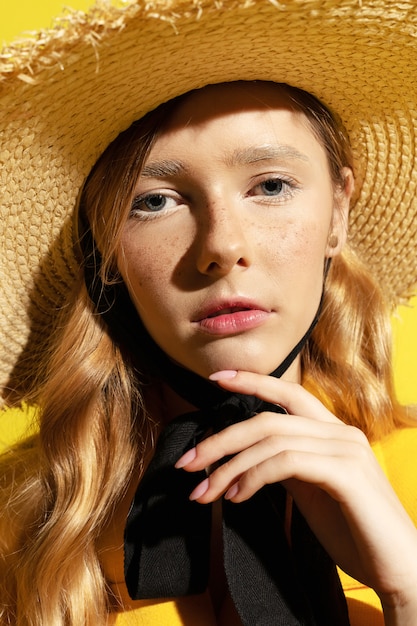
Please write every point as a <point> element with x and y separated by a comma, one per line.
<point>228,318</point>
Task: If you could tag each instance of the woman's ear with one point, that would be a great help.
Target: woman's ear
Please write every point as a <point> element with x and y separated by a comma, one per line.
<point>339,226</point>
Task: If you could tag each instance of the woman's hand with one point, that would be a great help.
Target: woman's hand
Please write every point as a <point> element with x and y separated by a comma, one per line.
<point>333,476</point>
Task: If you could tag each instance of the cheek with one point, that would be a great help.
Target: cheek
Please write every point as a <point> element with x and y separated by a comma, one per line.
<point>147,268</point>
<point>297,248</point>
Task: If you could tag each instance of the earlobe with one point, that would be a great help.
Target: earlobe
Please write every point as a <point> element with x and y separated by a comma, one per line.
<point>338,232</point>
<point>333,240</point>
<point>339,226</point>
<point>335,244</point>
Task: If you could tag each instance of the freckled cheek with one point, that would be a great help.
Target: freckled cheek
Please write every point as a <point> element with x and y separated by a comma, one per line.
<point>296,248</point>
<point>148,270</point>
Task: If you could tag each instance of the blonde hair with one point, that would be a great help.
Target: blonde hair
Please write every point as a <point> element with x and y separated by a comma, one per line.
<point>65,481</point>
<point>62,486</point>
<point>348,361</point>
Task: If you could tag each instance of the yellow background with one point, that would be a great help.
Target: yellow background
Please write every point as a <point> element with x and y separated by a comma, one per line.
<point>16,17</point>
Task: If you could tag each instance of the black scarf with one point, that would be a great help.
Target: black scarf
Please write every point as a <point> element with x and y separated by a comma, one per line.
<point>167,537</point>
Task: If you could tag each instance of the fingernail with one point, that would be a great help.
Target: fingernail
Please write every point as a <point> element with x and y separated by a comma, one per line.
<point>186,458</point>
<point>230,493</point>
<point>200,490</point>
<point>223,375</point>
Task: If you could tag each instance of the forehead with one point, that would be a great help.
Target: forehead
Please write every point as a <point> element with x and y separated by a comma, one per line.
<point>257,113</point>
<point>225,99</point>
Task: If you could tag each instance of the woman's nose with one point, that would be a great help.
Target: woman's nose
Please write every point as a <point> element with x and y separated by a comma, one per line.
<point>222,241</point>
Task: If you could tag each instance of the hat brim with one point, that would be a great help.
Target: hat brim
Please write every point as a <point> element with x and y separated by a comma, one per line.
<point>66,95</point>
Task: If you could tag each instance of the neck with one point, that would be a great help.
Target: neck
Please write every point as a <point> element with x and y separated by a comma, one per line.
<point>293,373</point>
<point>164,404</point>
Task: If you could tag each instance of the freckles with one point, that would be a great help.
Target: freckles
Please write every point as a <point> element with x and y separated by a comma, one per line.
<point>295,245</point>
<point>158,250</point>
<point>149,263</point>
<point>156,256</point>
<point>307,244</point>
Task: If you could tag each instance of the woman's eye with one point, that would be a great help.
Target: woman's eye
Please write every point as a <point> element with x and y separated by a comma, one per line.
<point>271,187</point>
<point>152,203</point>
<point>279,188</point>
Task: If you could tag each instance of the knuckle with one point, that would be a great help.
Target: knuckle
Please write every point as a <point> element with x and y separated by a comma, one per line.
<point>212,442</point>
<point>222,473</point>
<point>288,458</point>
<point>273,444</point>
<point>252,479</point>
<point>358,436</point>
<point>268,423</point>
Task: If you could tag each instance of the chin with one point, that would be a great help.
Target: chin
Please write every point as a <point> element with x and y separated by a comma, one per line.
<point>254,364</point>
<point>248,364</point>
<point>236,353</point>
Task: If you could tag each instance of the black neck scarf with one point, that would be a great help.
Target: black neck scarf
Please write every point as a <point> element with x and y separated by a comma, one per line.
<point>167,537</point>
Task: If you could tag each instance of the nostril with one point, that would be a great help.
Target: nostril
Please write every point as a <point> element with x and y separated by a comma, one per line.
<point>212,266</point>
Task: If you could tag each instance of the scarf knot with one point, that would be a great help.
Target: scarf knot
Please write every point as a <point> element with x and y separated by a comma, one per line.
<point>167,537</point>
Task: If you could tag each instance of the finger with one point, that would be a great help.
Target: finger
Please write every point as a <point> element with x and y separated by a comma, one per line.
<point>264,426</point>
<point>293,397</point>
<point>306,466</point>
<point>289,464</point>
<point>271,460</point>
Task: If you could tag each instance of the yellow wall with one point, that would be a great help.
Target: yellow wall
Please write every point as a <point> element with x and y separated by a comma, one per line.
<point>26,15</point>
<point>405,351</point>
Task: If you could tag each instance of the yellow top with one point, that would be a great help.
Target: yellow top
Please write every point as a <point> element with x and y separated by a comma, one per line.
<point>396,455</point>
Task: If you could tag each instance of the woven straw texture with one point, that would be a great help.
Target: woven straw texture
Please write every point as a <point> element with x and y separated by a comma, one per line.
<point>66,94</point>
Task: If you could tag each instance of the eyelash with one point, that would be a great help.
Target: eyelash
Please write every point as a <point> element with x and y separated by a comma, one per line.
<point>142,214</point>
<point>289,187</point>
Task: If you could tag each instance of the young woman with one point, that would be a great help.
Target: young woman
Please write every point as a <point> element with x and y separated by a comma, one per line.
<point>221,362</point>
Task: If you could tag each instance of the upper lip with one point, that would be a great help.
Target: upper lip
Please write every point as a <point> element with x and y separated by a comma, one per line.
<point>223,307</point>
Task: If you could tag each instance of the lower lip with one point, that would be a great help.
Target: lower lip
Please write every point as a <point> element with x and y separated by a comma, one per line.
<point>233,323</point>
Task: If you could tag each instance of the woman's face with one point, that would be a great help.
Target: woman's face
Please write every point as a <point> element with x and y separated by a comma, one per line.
<point>224,249</point>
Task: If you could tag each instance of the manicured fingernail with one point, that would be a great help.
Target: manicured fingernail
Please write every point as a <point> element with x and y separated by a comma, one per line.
<point>230,493</point>
<point>223,375</point>
<point>186,458</point>
<point>200,490</point>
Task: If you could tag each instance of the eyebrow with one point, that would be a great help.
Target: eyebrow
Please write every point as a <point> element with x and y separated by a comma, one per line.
<point>162,169</point>
<point>253,154</point>
<point>240,156</point>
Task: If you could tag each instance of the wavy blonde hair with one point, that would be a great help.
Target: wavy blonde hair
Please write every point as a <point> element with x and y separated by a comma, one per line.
<point>60,487</point>
<point>348,361</point>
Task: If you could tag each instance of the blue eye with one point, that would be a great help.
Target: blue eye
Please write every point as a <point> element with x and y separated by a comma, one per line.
<point>272,187</point>
<point>278,189</point>
<point>152,203</point>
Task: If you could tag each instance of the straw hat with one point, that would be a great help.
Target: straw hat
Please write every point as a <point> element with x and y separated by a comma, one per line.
<point>67,93</point>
